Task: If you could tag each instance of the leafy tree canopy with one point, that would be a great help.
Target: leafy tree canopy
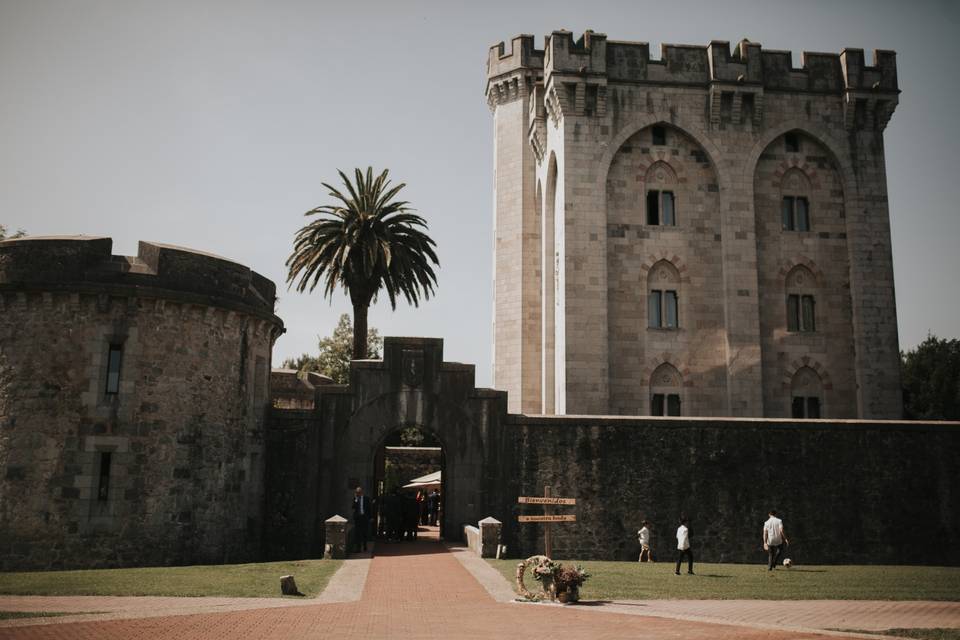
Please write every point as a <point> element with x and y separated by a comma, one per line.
<point>19,233</point>
<point>334,352</point>
<point>931,380</point>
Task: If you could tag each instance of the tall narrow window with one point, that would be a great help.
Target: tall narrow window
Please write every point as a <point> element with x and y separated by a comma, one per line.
<point>807,316</point>
<point>805,407</point>
<point>653,207</point>
<point>113,369</point>
<point>664,283</point>
<point>103,485</point>
<point>661,209</point>
<point>656,404</point>
<point>801,288</point>
<point>666,197</point>
<point>665,404</point>
<point>796,214</point>
<point>792,143</point>
<point>673,404</point>
<point>787,212</point>
<point>659,135</point>
<point>662,309</point>
<point>795,189</point>
<point>801,314</point>
<point>653,308</point>
<point>806,393</point>
<point>670,309</point>
<point>802,215</point>
<point>665,387</point>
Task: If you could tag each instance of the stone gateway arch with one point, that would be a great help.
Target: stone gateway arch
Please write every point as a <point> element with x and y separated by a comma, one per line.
<point>336,442</point>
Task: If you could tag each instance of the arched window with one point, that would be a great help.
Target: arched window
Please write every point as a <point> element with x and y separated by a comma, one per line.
<point>801,301</point>
<point>663,296</point>
<point>661,183</point>
<point>806,393</point>
<point>665,387</point>
<point>795,208</point>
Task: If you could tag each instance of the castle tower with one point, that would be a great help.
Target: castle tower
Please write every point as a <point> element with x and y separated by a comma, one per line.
<point>701,234</point>
<point>134,392</point>
<point>517,296</point>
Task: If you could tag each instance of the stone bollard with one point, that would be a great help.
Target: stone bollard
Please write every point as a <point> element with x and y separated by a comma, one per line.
<point>336,533</point>
<point>288,586</point>
<point>489,537</point>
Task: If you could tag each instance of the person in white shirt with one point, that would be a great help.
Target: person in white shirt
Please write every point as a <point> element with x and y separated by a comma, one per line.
<point>774,539</point>
<point>644,536</point>
<point>683,547</point>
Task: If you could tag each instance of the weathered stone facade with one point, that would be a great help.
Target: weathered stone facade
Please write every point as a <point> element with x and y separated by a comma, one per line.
<point>585,131</point>
<point>850,491</point>
<point>317,457</point>
<point>133,394</point>
<point>853,491</point>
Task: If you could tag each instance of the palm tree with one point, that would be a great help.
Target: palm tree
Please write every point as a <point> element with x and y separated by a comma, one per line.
<point>365,242</point>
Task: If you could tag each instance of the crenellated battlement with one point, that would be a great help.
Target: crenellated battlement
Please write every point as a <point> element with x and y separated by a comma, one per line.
<point>64,263</point>
<point>748,63</point>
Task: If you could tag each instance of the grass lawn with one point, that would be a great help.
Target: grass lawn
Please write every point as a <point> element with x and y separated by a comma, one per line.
<point>261,580</point>
<point>636,581</point>
<point>10,615</point>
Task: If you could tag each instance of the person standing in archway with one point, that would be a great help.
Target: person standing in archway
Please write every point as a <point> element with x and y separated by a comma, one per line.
<point>434,506</point>
<point>361,520</point>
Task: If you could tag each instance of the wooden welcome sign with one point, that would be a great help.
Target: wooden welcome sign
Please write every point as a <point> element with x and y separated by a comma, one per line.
<point>549,502</point>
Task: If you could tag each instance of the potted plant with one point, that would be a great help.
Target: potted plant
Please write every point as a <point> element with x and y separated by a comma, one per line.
<point>568,580</point>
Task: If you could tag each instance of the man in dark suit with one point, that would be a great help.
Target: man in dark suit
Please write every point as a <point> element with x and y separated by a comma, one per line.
<point>362,512</point>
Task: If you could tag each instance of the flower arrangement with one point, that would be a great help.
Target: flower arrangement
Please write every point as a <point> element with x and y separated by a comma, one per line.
<point>570,578</point>
<point>545,569</point>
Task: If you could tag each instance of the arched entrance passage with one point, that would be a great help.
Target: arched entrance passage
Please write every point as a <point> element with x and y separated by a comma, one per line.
<point>412,387</point>
<point>408,486</point>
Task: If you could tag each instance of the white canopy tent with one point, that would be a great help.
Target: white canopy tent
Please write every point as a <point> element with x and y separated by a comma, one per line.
<point>428,481</point>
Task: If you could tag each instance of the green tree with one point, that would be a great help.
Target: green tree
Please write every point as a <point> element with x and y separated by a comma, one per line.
<point>333,358</point>
<point>931,380</point>
<point>19,233</point>
<point>364,242</point>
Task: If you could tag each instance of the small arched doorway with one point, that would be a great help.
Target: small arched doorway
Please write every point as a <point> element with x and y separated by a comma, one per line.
<point>408,486</point>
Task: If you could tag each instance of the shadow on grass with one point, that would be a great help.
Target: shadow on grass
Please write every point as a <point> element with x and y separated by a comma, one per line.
<point>806,570</point>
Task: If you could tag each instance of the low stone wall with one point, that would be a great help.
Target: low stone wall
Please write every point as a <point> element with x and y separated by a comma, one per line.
<point>471,535</point>
<point>848,492</point>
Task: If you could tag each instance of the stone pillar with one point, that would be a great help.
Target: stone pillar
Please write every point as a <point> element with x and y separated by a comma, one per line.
<point>336,537</point>
<point>489,537</point>
<point>517,358</point>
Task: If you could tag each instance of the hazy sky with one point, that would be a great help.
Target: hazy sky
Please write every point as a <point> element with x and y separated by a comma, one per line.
<point>212,124</point>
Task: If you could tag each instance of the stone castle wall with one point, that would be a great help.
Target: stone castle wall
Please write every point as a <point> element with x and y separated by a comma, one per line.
<point>849,491</point>
<point>184,431</point>
<point>584,111</point>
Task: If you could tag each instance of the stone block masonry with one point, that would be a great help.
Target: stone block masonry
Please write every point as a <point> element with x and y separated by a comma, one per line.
<point>848,491</point>
<point>133,394</point>
<point>751,193</point>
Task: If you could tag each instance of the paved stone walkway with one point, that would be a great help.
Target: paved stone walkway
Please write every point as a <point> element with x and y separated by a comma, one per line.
<point>421,590</point>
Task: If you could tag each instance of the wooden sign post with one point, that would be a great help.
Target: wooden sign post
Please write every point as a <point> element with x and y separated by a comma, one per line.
<point>549,503</point>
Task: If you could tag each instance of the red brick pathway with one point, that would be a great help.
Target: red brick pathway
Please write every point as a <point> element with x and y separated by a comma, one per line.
<point>415,590</point>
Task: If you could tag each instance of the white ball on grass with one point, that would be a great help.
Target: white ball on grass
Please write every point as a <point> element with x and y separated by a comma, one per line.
<point>787,562</point>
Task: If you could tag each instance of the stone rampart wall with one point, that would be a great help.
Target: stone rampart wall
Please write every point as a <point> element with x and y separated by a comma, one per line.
<point>849,492</point>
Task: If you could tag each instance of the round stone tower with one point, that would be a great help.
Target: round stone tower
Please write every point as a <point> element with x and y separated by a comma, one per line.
<point>133,393</point>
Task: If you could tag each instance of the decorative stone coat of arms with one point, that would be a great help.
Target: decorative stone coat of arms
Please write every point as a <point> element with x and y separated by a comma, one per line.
<point>412,367</point>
